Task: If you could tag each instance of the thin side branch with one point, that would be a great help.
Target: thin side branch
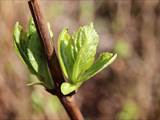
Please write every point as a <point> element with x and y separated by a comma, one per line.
<point>54,67</point>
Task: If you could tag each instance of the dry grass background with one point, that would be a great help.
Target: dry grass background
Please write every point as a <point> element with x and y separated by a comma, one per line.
<point>128,89</point>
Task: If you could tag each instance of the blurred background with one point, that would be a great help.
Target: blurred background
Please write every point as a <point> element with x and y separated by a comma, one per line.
<point>128,90</point>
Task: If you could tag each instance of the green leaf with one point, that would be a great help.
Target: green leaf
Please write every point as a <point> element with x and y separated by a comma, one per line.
<point>20,43</point>
<point>102,62</point>
<point>65,53</point>
<point>76,54</point>
<point>31,50</point>
<point>67,88</point>
<point>85,42</point>
<point>36,56</point>
<point>77,51</point>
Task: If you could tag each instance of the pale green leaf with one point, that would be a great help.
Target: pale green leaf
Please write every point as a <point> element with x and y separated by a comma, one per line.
<point>36,56</point>
<point>77,52</point>
<point>102,62</point>
<point>65,53</point>
<point>67,88</point>
<point>31,50</point>
<point>85,45</point>
<point>20,42</point>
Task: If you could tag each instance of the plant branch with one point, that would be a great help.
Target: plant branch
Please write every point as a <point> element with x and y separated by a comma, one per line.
<point>52,60</point>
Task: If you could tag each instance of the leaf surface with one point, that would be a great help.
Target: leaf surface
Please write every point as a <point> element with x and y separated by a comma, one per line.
<point>31,50</point>
<point>102,62</point>
<point>67,88</point>
<point>77,51</point>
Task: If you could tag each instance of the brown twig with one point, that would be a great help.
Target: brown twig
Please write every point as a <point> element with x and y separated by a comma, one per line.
<point>54,67</point>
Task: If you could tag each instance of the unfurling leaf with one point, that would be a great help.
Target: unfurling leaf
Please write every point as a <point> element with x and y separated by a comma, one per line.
<point>85,45</point>
<point>31,50</point>
<point>103,61</point>
<point>77,55</point>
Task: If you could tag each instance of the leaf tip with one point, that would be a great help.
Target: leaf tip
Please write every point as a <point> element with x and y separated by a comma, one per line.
<point>67,88</point>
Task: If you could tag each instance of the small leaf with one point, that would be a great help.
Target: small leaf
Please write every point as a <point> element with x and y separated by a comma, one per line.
<point>77,52</point>
<point>77,55</point>
<point>36,56</point>
<point>102,62</point>
<point>65,53</point>
<point>67,88</point>
<point>85,46</point>
<point>31,50</point>
<point>20,42</point>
